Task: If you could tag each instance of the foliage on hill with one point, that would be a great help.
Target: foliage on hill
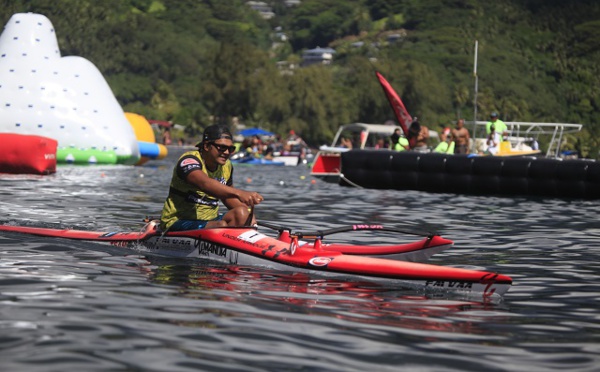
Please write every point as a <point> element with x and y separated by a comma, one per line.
<point>195,62</point>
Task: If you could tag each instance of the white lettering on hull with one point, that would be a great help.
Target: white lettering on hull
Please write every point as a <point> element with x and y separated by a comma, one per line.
<point>448,284</point>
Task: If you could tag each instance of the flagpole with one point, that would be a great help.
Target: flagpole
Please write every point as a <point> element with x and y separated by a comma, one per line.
<point>475,99</point>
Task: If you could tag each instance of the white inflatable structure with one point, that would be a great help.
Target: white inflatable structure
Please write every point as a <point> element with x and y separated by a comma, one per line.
<point>63,98</point>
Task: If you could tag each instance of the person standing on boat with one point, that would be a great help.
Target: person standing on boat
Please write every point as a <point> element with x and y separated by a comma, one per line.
<point>460,137</point>
<point>500,126</point>
<point>200,179</point>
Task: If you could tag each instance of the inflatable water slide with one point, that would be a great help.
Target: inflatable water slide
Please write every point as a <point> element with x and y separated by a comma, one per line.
<point>66,99</point>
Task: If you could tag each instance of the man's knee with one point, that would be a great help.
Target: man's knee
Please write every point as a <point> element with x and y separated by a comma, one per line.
<point>214,224</point>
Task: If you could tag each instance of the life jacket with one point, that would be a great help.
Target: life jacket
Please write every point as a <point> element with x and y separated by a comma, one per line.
<point>445,147</point>
<point>185,201</point>
<point>399,146</point>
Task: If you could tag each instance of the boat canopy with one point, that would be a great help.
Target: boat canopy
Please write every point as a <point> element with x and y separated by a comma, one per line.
<point>363,135</point>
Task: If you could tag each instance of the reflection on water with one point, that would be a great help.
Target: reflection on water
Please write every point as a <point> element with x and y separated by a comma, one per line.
<point>79,306</point>
<point>358,302</point>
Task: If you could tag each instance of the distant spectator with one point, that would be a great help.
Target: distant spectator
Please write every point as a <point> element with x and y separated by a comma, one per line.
<point>446,144</point>
<point>398,141</point>
<point>257,146</point>
<point>345,142</point>
<point>166,137</point>
<point>500,126</point>
<point>493,141</point>
<point>417,136</point>
<point>460,136</point>
<point>270,149</point>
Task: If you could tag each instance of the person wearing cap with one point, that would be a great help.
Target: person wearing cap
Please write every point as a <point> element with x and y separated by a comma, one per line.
<point>499,125</point>
<point>460,137</point>
<point>201,178</point>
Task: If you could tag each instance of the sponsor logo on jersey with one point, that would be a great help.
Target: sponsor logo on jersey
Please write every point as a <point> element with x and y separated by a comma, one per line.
<point>189,161</point>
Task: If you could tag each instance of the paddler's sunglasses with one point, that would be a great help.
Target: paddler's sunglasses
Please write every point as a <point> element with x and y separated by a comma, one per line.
<point>223,148</point>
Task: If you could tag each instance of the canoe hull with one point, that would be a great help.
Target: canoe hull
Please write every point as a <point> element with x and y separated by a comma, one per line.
<point>247,246</point>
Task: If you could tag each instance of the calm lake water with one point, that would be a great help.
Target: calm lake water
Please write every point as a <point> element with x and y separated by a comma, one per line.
<point>75,306</point>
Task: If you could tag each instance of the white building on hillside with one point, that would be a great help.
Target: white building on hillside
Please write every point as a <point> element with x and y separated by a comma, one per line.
<point>318,55</point>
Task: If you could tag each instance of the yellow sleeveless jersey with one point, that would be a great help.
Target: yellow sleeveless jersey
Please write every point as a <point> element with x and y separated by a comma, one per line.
<point>185,201</point>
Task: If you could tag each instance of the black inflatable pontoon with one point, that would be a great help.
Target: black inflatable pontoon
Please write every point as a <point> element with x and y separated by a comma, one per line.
<point>462,174</point>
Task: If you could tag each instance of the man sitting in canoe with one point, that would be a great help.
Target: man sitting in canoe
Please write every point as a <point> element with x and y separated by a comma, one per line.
<point>200,179</point>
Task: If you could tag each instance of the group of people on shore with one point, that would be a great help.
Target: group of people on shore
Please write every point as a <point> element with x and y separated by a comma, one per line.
<point>452,140</point>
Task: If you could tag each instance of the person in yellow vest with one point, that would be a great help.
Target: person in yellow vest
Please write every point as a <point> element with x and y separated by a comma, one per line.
<point>445,146</point>
<point>398,142</point>
<point>201,178</point>
<point>500,126</point>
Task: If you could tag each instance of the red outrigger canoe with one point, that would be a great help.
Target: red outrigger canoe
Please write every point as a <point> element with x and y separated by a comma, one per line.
<point>301,251</point>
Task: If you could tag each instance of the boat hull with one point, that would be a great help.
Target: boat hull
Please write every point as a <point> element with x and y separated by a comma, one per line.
<point>327,162</point>
<point>257,161</point>
<point>288,160</point>
<point>327,166</point>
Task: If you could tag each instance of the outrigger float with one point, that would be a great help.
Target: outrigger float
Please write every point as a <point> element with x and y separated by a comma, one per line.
<point>302,251</point>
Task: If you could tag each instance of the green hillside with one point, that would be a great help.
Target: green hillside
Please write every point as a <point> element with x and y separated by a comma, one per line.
<point>199,62</point>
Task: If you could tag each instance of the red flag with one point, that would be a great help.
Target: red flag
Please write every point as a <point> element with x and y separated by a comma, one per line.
<point>403,117</point>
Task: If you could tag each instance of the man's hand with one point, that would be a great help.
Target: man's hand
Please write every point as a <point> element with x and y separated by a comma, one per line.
<point>250,198</point>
